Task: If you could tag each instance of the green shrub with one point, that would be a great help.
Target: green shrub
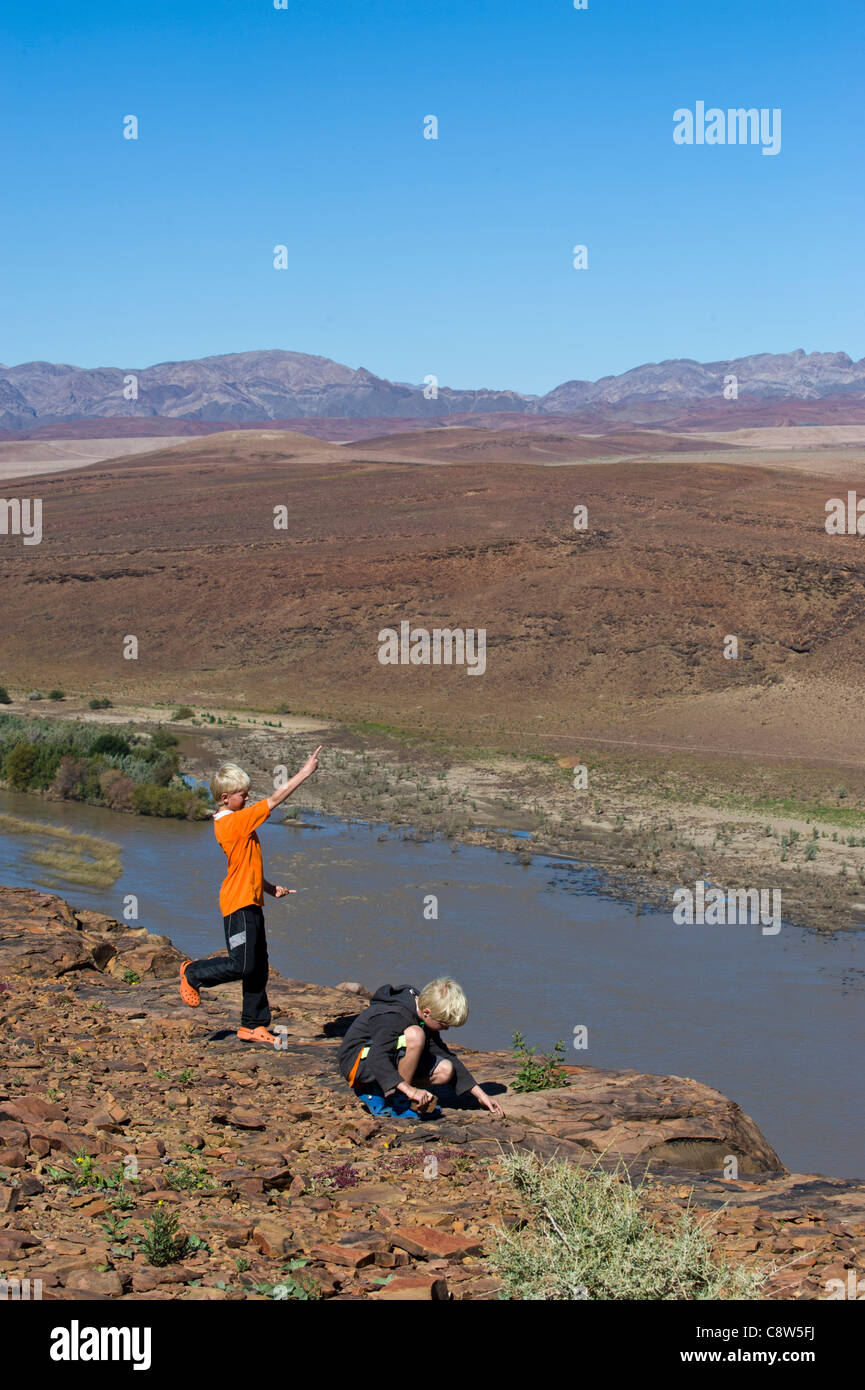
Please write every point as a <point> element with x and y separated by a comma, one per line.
<point>541,1072</point>
<point>5,698</point>
<point>111,743</point>
<point>591,1235</point>
<point>177,802</point>
<point>161,1242</point>
<point>100,703</point>
<point>163,738</point>
<point>19,766</point>
<point>56,694</point>
<point>35,695</point>
<point>182,712</point>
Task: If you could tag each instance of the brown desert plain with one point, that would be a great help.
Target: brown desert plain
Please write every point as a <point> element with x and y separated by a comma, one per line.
<point>604,646</point>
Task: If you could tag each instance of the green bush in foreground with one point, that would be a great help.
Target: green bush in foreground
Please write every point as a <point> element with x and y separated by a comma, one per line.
<point>541,1072</point>
<point>590,1235</point>
<point>161,1242</point>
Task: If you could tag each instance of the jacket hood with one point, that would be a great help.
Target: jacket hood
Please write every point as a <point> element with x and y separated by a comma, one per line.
<point>397,995</point>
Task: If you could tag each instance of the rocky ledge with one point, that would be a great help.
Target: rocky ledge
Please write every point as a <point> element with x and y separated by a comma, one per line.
<point>267,1158</point>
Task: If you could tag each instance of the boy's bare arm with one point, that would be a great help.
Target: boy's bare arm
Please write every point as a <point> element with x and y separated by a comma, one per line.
<point>307,770</point>
<point>407,1067</point>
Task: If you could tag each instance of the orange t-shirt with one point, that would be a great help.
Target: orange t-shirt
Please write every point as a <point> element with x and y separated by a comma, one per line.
<point>235,831</point>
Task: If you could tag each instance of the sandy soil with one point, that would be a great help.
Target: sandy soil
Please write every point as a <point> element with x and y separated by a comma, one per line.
<point>29,457</point>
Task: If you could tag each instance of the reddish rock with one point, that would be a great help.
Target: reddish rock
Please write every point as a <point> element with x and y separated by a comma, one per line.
<point>280,1178</point>
<point>144,1280</point>
<point>414,1288</point>
<point>12,1242</point>
<point>250,1187</point>
<point>429,1243</point>
<point>99,1281</point>
<point>150,1148</point>
<point>30,1108</point>
<point>13,1158</point>
<point>274,1239</point>
<point>9,1197</point>
<point>241,1118</point>
<point>13,1134</point>
<point>354,1256</point>
<point>391,1259</point>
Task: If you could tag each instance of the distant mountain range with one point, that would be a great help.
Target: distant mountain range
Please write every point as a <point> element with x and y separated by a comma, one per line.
<point>274,385</point>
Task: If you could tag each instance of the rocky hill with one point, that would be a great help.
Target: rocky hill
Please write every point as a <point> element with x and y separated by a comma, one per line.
<point>277,385</point>
<point>265,1157</point>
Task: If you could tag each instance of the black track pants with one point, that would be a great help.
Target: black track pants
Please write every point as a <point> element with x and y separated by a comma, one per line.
<point>247,961</point>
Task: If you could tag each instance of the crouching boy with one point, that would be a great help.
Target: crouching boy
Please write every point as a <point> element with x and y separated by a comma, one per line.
<point>395,1049</point>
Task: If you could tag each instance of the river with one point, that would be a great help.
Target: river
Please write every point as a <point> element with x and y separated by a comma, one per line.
<point>775,1022</point>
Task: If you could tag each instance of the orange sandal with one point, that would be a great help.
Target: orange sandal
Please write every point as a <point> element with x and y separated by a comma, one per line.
<point>260,1034</point>
<point>188,993</point>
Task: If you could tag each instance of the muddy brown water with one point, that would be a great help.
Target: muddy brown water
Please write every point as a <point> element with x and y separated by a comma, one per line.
<point>775,1022</point>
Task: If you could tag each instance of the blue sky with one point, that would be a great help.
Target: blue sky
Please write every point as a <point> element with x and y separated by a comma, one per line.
<point>408,256</point>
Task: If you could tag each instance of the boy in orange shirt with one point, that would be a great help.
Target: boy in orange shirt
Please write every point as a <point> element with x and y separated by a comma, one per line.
<point>241,898</point>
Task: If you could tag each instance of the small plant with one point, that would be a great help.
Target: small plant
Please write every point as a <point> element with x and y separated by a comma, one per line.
<point>241,1264</point>
<point>161,1242</point>
<point>56,694</point>
<point>184,1176</point>
<point>182,712</point>
<point>539,1072</point>
<point>115,1228</point>
<point>334,1178</point>
<point>122,1200</point>
<point>289,1287</point>
<point>131,977</point>
<point>84,1173</point>
<point>185,1076</point>
<point>5,698</point>
<point>160,1074</point>
<point>97,703</point>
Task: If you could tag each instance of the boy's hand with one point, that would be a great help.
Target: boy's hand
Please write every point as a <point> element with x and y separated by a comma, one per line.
<point>311,764</point>
<point>280,892</point>
<point>419,1097</point>
<point>488,1102</point>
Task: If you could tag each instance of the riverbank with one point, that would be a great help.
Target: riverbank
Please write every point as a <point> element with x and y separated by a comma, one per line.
<point>266,1159</point>
<point>646,823</point>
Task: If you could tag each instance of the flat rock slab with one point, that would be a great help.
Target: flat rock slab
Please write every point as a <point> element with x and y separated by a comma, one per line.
<point>428,1243</point>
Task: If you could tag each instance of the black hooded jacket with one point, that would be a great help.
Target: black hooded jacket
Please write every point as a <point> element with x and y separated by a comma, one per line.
<point>393,1009</point>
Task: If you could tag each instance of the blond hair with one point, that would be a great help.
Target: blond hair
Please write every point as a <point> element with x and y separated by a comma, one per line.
<point>445,1000</point>
<point>227,779</point>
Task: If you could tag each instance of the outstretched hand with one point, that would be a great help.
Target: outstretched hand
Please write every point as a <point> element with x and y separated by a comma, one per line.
<point>280,892</point>
<point>311,764</point>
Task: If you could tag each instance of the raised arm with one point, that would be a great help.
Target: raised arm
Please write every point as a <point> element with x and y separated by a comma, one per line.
<point>309,767</point>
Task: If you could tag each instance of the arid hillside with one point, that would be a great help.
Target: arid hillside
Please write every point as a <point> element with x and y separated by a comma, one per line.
<point>259,567</point>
